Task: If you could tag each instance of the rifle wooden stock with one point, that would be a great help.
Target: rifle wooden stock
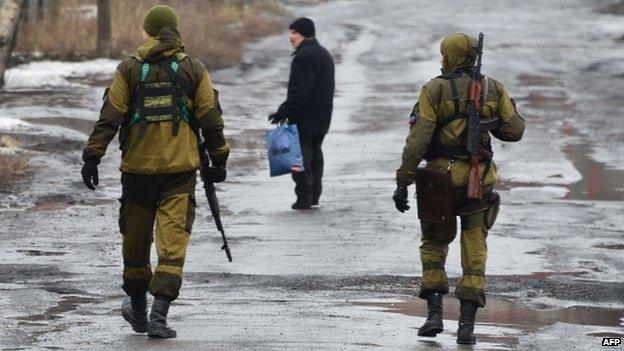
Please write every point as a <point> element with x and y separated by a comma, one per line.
<point>475,94</point>
<point>474,130</point>
<point>474,179</point>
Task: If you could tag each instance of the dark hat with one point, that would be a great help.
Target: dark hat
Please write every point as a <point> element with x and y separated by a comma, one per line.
<point>304,26</point>
<point>159,17</point>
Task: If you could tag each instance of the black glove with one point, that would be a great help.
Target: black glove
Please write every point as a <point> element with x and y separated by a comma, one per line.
<point>90,174</point>
<point>276,118</point>
<point>215,174</point>
<point>400,198</point>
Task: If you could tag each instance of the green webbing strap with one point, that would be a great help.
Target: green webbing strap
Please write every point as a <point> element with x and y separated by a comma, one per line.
<point>143,126</point>
<point>144,71</point>
<point>136,117</point>
<point>175,66</point>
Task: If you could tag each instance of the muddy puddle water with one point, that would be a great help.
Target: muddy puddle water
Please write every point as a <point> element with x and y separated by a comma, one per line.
<point>502,312</point>
<point>599,182</point>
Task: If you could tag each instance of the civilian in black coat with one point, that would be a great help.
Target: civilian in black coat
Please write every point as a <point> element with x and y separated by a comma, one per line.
<point>309,105</point>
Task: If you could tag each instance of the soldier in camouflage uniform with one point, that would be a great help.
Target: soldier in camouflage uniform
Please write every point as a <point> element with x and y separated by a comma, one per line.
<point>438,133</point>
<point>160,98</point>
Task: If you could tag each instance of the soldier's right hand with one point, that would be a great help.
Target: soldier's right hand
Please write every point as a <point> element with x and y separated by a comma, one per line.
<point>400,198</point>
<point>90,174</point>
<point>216,174</point>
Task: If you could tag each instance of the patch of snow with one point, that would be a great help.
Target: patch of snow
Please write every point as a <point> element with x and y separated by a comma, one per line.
<point>8,124</point>
<point>54,73</point>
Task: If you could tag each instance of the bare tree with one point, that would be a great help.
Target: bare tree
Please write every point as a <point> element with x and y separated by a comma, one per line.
<point>103,28</point>
<point>11,13</point>
<point>39,9</point>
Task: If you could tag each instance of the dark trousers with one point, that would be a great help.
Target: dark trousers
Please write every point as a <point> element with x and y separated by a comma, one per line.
<point>309,184</point>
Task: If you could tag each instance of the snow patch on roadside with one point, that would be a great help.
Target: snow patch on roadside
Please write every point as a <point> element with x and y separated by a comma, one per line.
<point>53,73</point>
<point>9,124</point>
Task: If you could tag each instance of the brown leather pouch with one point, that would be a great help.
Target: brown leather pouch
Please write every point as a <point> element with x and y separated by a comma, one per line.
<point>434,195</point>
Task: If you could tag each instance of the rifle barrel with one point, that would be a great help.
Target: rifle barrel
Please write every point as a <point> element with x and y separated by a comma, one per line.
<point>211,196</point>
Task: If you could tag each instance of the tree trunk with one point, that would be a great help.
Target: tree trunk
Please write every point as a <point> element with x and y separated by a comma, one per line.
<point>10,15</point>
<point>40,10</point>
<point>103,28</point>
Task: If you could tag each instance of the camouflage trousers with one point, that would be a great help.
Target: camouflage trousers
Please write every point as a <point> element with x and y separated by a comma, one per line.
<point>168,201</point>
<point>434,249</point>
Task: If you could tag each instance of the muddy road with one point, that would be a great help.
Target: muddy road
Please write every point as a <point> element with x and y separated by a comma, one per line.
<point>343,276</point>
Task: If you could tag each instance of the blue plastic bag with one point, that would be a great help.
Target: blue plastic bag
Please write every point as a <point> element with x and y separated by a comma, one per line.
<point>284,150</point>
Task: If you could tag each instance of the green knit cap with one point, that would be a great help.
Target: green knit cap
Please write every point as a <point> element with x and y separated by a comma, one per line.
<point>157,18</point>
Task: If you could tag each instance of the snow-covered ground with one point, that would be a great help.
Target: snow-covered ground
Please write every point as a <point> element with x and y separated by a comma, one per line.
<point>311,280</point>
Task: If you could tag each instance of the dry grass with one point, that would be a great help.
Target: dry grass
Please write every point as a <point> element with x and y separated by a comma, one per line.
<point>213,30</point>
<point>67,33</point>
<point>12,168</point>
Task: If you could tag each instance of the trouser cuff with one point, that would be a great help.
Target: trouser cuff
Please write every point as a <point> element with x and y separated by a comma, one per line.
<point>166,284</point>
<point>471,294</point>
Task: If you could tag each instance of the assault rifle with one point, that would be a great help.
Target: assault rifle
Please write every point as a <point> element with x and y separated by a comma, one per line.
<point>474,132</point>
<point>211,195</point>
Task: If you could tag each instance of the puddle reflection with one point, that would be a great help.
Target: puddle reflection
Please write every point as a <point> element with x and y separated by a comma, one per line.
<point>502,312</point>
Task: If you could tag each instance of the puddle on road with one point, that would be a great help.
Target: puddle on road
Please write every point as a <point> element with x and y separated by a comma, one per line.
<point>41,253</point>
<point>66,304</point>
<point>500,312</point>
<point>549,100</point>
<point>536,80</point>
<point>610,247</point>
<point>598,182</point>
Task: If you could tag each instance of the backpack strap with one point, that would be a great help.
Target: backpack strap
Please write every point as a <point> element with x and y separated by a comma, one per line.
<point>183,93</point>
<point>139,115</point>
<point>172,67</point>
<point>436,149</point>
<point>443,122</point>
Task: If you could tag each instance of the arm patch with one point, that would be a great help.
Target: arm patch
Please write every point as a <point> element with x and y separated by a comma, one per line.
<point>414,116</point>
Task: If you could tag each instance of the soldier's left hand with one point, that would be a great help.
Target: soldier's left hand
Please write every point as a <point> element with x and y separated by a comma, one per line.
<point>400,198</point>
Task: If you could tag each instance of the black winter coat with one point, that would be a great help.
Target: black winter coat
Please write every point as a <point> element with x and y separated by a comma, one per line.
<point>310,99</point>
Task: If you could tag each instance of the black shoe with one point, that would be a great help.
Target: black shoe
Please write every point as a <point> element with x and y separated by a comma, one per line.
<point>433,325</point>
<point>134,311</point>
<point>158,327</point>
<point>302,204</point>
<point>465,332</point>
<point>315,200</point>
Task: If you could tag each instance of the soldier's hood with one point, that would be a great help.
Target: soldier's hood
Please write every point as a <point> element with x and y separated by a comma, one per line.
<point>168,43</point>
<point>459,51</point>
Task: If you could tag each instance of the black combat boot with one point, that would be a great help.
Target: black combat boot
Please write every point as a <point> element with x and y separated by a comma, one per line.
<point>303,203</point>
<point>134,311</point>
<point>158,327</point>
<point>465,332</point>
<point>433,325</point>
